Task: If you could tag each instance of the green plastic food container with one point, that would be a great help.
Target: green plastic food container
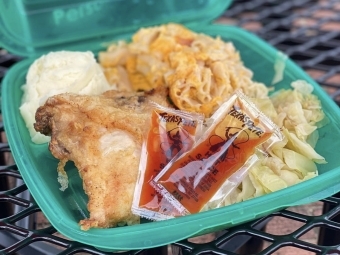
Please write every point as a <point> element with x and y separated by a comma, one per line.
<point>30,28</point>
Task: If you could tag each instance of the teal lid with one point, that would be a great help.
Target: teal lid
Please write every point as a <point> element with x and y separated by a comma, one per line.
<point>33,27</point>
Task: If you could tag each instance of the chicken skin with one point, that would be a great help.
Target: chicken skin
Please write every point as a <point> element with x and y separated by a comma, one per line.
<point>103,136</point>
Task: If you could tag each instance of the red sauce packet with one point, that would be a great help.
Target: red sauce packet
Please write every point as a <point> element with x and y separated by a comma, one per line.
<point>190,181</point>
<point>171,133</point>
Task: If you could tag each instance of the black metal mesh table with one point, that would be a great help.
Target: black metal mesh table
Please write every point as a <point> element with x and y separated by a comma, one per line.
<point>307,31</point>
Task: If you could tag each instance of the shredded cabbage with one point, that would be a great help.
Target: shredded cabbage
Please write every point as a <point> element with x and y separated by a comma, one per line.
<point>303,147</point>
<point>303,87</point>
<point>298,162</point>
<point>268,180</point>
<point>299,114</point>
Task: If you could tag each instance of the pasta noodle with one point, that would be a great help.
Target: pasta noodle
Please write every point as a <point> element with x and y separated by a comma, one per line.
<point>201,72</point>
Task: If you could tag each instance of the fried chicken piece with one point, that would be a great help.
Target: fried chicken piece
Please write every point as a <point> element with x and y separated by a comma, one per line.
<point>102,135</point>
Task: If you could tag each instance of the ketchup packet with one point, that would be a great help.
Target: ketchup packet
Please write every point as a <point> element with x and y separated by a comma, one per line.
<point>228,145</point>
<point>171,133</point>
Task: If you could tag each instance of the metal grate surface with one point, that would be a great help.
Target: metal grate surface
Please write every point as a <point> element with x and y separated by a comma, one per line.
<point>308,31</point>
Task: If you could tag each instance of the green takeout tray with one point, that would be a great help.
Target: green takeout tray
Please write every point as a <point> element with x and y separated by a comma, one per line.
<point>100,22</point>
